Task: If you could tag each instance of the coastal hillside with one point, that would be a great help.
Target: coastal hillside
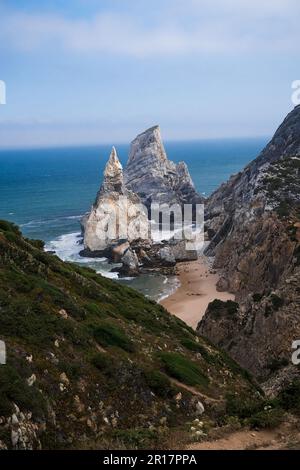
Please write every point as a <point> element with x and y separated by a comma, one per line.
<point>253,222</point>
<point>93,364</point>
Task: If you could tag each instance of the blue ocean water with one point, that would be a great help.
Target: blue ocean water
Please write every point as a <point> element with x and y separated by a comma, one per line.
<point>46,191</point>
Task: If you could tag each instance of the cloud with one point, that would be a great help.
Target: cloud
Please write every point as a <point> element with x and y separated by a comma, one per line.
<point>190,27</point>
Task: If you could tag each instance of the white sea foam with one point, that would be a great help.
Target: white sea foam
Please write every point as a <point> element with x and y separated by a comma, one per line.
<point>40,222</point>
<point>68,246</point>
<point>172,287</point>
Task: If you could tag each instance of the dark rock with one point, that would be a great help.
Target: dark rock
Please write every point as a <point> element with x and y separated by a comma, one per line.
<point>254,221</point>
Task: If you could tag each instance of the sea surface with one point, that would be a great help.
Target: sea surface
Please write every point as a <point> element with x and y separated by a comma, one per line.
<point>47,191</point>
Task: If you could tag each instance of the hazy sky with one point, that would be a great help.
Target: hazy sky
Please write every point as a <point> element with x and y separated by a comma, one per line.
<point>92,71</point>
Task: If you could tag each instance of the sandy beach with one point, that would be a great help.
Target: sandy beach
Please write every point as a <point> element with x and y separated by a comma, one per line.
<point>197,288</point>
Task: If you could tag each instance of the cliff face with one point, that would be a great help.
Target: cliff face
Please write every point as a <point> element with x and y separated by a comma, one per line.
<point>113,200</point>
<point>254,225</point>
<point>153,177</point>
<point>91,363</point>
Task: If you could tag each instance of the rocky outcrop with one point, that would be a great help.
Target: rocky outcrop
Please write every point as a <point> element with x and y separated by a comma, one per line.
<point>149,177</point>
<point>102,227</point>
<point>153,177</point>
<point>253,221</point>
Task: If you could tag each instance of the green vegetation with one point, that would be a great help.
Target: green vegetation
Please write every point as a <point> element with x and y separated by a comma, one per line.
<point>257,297</point>
<point>277,302</point>
<point>254,412</point>
<point>219,308</point>
<point>13,389</point>
<point>183,369</point>
<point>266,419</point>
<point>102,361</point>
<point>282,186</point>
<point>159,383</point>
<point>297,255</point>
<point>277,364</point>
<point>109,335</point>
<point>289,398</point>
<point>136,438</point>
<point>56,319</point>
<point>261,413</point>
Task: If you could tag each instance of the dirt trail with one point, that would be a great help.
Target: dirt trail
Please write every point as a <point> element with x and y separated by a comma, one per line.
<point>193,390</point>
<point>242,440</point>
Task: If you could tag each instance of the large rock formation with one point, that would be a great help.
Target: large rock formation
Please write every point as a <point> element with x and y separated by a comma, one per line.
<point>153,177</point>
<point>103,226</point>
<point>254,223</point>
<point>149,177</point>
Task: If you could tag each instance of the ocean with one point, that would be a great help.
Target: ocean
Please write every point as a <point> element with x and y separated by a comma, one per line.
<point>47,191</point>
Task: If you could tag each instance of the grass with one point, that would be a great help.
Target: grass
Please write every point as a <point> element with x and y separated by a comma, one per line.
<point>183,369</point>
<point>14,389</point>
<point>34,287</point>
<point>136,438</point>
<point>110,335</point>
<point>159,383</point>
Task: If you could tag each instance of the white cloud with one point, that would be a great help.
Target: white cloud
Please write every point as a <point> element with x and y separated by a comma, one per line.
<point>193,26</point>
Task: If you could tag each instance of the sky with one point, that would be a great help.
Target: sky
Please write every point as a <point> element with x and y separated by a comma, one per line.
<point>101,71</point>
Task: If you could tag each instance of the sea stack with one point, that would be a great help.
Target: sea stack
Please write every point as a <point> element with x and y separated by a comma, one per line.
<point>154,177</point>
<point>112,200</point>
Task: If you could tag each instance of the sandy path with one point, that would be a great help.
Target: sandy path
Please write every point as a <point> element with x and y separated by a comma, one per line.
<point>197,289</point>
<point>241,440</point>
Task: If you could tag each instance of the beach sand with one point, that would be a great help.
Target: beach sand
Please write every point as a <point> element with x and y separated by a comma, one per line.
<point>197,288</point>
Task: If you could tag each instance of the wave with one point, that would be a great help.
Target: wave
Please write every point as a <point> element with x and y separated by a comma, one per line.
<point>172,287</point>
<point>39,222</point>
<point>68,246</point>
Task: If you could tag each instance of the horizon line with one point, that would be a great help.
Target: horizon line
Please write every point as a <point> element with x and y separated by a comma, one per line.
<point>115,144</point>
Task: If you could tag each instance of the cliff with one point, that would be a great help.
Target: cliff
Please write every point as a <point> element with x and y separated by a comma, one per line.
<point>253,221</point>
<point>154,177</point>
<point>93,364</point>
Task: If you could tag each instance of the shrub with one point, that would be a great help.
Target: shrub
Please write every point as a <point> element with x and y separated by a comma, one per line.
<point>220,308</point>
<point>9,227</point>
<point>183,369</point>
<point>40,244</point>
<point>277,301</point>
<point>197,347</point>
<point>14,389</point>
<point>284,209</point>
<point>158,382</point>
<point>109,335</point>
<point>136,438</point>
<point>297,255</point>
<point>242,406</point>
<point>93,309</point>
<point>266,419</point>
<point>277,364</point>
<point>101,361</point>
<point>289,398</point>
<point>257,297</point>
